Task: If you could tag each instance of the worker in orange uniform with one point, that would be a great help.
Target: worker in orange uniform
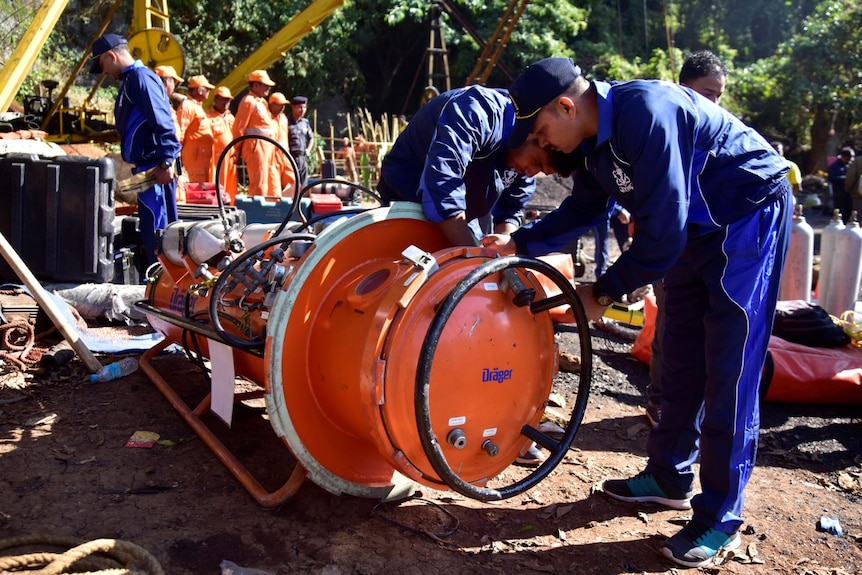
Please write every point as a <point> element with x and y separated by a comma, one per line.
<point>196,135</point>
<point>253,118</point>
<point>347,154</point>
<point>221,121</point>
<point>171,80</point>
<point>283,178</point>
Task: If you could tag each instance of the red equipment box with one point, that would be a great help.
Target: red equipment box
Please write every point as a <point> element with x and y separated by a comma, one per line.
<point>325,203</point>
<point>204,194</point>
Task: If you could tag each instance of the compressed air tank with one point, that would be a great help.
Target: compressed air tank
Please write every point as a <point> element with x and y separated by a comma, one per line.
<point>799,266</point>
<point>827,253</point>
<point>845,271</point>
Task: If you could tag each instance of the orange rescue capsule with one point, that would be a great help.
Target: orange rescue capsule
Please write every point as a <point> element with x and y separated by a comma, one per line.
<point>334,334</point>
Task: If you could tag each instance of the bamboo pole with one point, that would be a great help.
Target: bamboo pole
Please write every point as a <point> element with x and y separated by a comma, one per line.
<point>384,123</point>
<point>69,333</point>
<point>371,123</point>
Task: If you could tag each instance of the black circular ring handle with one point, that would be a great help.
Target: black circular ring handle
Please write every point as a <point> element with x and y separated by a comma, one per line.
<point>220,161</point>
<point>421,401</point>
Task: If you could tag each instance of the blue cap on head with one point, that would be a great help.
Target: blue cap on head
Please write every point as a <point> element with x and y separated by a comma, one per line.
<point>537,85</point>
<point>102,45</point>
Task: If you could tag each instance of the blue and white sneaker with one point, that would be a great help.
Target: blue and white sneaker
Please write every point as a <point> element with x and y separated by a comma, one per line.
<point>697,545</point>
<point>647,488</point>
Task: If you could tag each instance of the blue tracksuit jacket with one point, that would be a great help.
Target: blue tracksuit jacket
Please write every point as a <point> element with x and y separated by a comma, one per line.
<point>451,158</point>
<point>143,115</point>
<point>148,137</point>
<point>694,172</point>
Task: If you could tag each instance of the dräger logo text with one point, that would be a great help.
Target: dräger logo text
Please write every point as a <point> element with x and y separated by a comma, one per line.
<point>178,300</point>
<point>498,375</point>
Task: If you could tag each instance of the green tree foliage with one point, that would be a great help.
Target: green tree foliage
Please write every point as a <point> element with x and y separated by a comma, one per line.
<point>218,36</point>
<point>810,90</point>
<point>753,27</point>
<point>795,64</point>
<point>355,53</point>
<point>390,43</point>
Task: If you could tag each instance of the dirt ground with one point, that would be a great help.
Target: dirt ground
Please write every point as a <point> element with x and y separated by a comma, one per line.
<point>65,470</point>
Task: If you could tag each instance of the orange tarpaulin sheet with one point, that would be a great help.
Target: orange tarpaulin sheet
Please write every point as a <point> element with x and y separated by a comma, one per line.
<point>801,374</point>
<point>821,375</point>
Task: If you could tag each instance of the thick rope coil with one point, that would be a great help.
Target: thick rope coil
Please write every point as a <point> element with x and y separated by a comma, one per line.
<point>16,344</point>
<point>123,557</point>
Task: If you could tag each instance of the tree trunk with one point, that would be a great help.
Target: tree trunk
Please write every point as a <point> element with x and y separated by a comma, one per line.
<point>821,125</point>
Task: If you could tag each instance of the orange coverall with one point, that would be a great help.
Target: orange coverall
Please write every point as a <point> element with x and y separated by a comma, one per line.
<point>176,122</point>
<point>282,172</point>
<point>181,184</point>
<point>254,118</point>
<point>196,136</point>
<point>222,127</point>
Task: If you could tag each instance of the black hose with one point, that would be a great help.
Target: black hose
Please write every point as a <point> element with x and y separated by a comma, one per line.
<point>223,155</point>
<point>421,402</point>
<point>223,278</point>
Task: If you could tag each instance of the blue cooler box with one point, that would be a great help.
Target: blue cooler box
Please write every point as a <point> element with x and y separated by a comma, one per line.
<point>269,210</point>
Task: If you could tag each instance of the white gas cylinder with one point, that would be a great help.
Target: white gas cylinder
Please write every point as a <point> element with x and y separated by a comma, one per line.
<point>827,253</point>
<point>200,240</point>
<point>845,271</point>
<point>799,266</point>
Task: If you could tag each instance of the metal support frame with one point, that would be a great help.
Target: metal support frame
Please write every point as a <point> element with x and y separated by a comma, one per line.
<point>192,416</point>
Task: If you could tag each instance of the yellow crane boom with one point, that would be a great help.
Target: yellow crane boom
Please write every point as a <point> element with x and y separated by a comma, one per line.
<point>276,47</point>
<point>15,70</point>
<point>150,40</point>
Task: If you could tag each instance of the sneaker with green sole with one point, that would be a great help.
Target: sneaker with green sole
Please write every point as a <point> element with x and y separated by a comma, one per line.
<point>697,545</point>
<point>647,488</point>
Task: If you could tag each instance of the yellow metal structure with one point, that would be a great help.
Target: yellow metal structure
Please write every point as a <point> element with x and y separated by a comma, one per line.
<point>276,47</point>
<point>15,70</point>
<point>494,48</point>
<point>150,41</point>
<point>150,38</point>
<point>155,47</point>
<point>150,14</point>
<point>83,112</point>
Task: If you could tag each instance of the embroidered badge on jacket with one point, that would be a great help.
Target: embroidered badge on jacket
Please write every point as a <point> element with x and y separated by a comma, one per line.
<point>508,177</point>
<point>624,183</point>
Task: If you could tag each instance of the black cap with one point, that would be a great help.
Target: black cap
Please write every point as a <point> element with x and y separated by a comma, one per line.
<point>299,100</point>
<point>102,45</point>
<point>537,85</point>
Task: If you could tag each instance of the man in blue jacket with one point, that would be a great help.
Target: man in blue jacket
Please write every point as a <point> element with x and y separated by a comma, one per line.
<point>712,211</point>
<point>148,138</point>
<point>452,158</point>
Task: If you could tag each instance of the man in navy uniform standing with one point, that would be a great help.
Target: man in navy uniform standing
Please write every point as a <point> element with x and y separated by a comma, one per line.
<point>148,137</point>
